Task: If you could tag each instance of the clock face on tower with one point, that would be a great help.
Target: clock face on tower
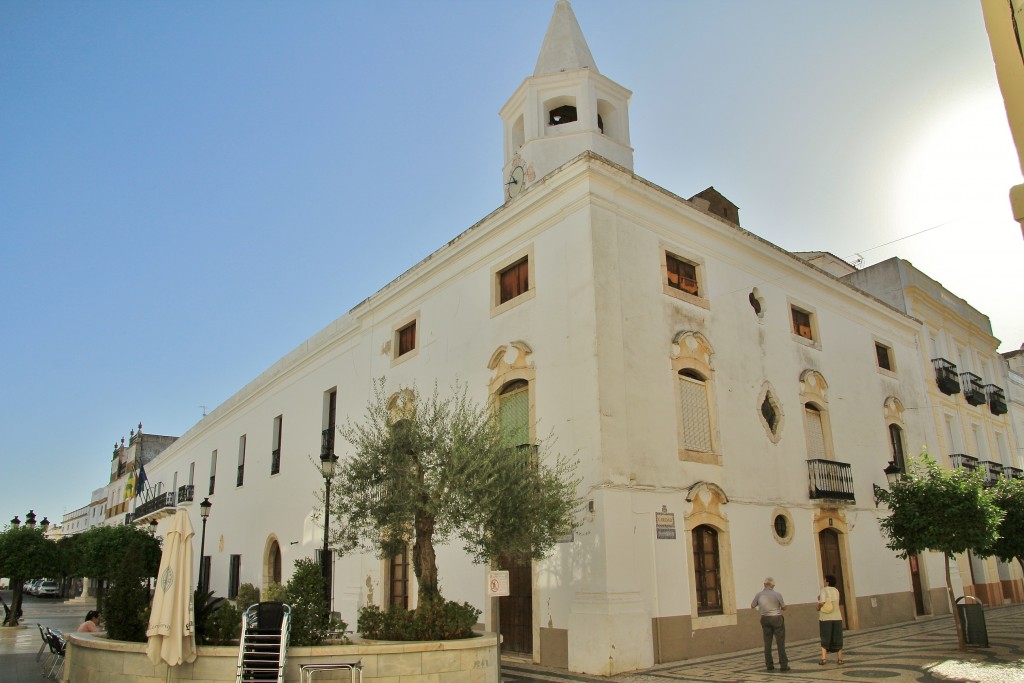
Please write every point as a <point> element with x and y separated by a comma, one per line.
<point>515,182</point>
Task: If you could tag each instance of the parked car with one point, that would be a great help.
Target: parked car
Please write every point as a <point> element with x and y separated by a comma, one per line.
<point>30,586</point>
<point>48,589</point>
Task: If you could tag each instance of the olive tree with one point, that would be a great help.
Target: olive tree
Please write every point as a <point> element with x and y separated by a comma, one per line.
<point>433,468</point>
<point>945,511</point>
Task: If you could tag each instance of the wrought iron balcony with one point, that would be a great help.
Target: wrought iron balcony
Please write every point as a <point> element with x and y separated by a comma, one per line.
<point>275,461</point>
<point>1013,472</point>
<point>185,493</point>
<point>974,390</point>
<point>996,399</point>
<point>129,518</point>
<point>945,376</point>
<point>157,502</point>
<point>830,479</point>
<point>993,471</point>
<point>968,462</point>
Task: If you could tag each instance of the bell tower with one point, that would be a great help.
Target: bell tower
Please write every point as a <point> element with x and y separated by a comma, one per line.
<point>564,109</point>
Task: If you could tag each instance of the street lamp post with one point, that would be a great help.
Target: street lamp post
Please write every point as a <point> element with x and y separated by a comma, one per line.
<point>204,512</point>
<point>328,465</point>
<point>16,523</point>
<point>30,519</point>
<point>893,473</point>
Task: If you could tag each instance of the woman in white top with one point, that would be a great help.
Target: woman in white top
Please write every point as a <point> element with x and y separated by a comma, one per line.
<point>830,621</point>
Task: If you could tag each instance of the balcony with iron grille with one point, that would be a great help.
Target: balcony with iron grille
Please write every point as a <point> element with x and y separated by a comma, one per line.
<point>830,480</point>
<point>160,503</point>
<point>945,376</point>
<point>967,462</point>
<point>185,493</point>
<point>996,399</point>
<point>974,390</point>
<point>993,471</point>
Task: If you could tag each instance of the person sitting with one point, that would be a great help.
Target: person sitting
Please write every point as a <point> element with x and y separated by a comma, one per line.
<point>91,623</point>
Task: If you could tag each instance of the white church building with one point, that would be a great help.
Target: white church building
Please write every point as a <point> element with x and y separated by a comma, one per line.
<point>725,398</point>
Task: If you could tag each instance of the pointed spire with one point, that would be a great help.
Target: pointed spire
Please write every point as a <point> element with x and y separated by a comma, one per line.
<point>564,46</point>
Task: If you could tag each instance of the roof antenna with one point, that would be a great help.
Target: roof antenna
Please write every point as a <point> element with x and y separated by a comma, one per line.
<point>203,406</point>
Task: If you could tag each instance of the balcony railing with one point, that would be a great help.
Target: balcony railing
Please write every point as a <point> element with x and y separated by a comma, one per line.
<point>830,479</point>
<point>185,493</point>
<point>275,461</point>
<point>993,471</point>
<point>945,376</point>
<point>968,462</point>
<point>158,502</point>
<point>996,399</point>
<point>974,390</point>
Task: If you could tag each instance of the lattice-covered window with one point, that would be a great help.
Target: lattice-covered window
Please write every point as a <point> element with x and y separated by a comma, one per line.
<point>695,415</point>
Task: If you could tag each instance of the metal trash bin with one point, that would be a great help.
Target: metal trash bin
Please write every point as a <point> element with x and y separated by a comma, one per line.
<point>972,617</point>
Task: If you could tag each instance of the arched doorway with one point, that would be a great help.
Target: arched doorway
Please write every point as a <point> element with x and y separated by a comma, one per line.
<point>832,563</point>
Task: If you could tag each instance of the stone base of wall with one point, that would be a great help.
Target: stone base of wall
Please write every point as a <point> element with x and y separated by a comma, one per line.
<point>94,659</point>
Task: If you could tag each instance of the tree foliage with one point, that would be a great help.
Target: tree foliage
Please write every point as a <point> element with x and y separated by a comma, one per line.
<point>25,553</point>
<point>1008,495</point>
<point>102,554</point>
<point>946,511</point>
<point>433,468</point>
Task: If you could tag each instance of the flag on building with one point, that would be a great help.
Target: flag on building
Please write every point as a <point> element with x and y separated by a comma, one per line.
<point>140,481</point>
<point>129,487</point>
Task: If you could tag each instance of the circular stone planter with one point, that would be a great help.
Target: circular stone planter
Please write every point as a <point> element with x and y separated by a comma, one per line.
<point>96,659</point>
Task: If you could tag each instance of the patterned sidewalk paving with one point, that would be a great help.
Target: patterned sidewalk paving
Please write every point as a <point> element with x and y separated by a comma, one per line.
<point>920,652</point>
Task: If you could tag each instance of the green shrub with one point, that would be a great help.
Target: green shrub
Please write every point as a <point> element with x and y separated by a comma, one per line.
<point>224,624</point>
<point>305,594</point>
<point>431,621</point>
<point>126,606</point>
<point>248,595</point>
<point>204,606</point>
<point>273,592</point>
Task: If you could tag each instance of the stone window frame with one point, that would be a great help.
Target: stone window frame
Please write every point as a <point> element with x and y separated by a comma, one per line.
<point>893,416</point>
<point>396,329</point>
<point>814,341</point>
<point>890,353</point>
<point>790,526</point>
<point>768,392</point>
<point>706,502</point>
<point>691,351</point>
<point>497,306</point>
<point>698,262</point>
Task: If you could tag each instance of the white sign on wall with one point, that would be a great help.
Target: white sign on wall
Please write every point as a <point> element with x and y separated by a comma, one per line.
<point>497,584</point>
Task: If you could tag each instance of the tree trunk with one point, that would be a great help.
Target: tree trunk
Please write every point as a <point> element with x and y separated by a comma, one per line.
<point>16,587</point>
<point>961,642</point>
<point>424,559</point>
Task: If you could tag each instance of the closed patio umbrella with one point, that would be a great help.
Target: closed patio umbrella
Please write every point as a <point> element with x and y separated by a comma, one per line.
<point>171,629</point>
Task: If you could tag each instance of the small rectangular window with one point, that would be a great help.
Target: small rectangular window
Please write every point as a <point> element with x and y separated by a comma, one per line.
<point>884,355</point>
<point>682,275</point>
<point>514,280</point>
<point>240,478</point>
<point>407,338</point>
<point>399,579</point>
<point>802,324</point>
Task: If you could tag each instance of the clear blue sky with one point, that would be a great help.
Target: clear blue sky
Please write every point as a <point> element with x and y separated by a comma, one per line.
<point>188,190</point>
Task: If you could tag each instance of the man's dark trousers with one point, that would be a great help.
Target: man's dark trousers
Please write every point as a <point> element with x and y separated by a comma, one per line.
<point>774,627</point>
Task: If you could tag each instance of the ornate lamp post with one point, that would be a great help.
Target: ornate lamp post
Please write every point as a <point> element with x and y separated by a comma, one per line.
<point>204,512</point>
<point>16,523</point>
<point>44,525</point>
<point>30,519</point>
<point>893,473</point>
<point>328,466</point>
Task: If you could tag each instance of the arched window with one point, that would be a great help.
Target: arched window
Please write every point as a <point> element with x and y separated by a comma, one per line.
<point>694,413</point>
<point>275,563</point>
<point>707,570</point>
<point>514,413</point>
<point>815,433</point>
<point>896,443</point>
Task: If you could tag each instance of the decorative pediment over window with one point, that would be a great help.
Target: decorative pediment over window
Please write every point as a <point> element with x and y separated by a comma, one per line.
<point>503,361</point>
<point>894,410</point>
<point>692,350</point>
<point>706,499</point>
<point>813,388</point>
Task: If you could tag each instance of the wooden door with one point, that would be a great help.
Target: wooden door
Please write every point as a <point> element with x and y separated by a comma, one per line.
<point>516,609</point>
<point>832,563</point>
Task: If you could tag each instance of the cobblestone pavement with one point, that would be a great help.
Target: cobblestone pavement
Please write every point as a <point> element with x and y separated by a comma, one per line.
<point>920,652</point>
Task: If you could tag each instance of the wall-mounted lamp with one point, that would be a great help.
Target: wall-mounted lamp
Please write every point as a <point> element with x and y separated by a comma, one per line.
<point>893,473</point>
